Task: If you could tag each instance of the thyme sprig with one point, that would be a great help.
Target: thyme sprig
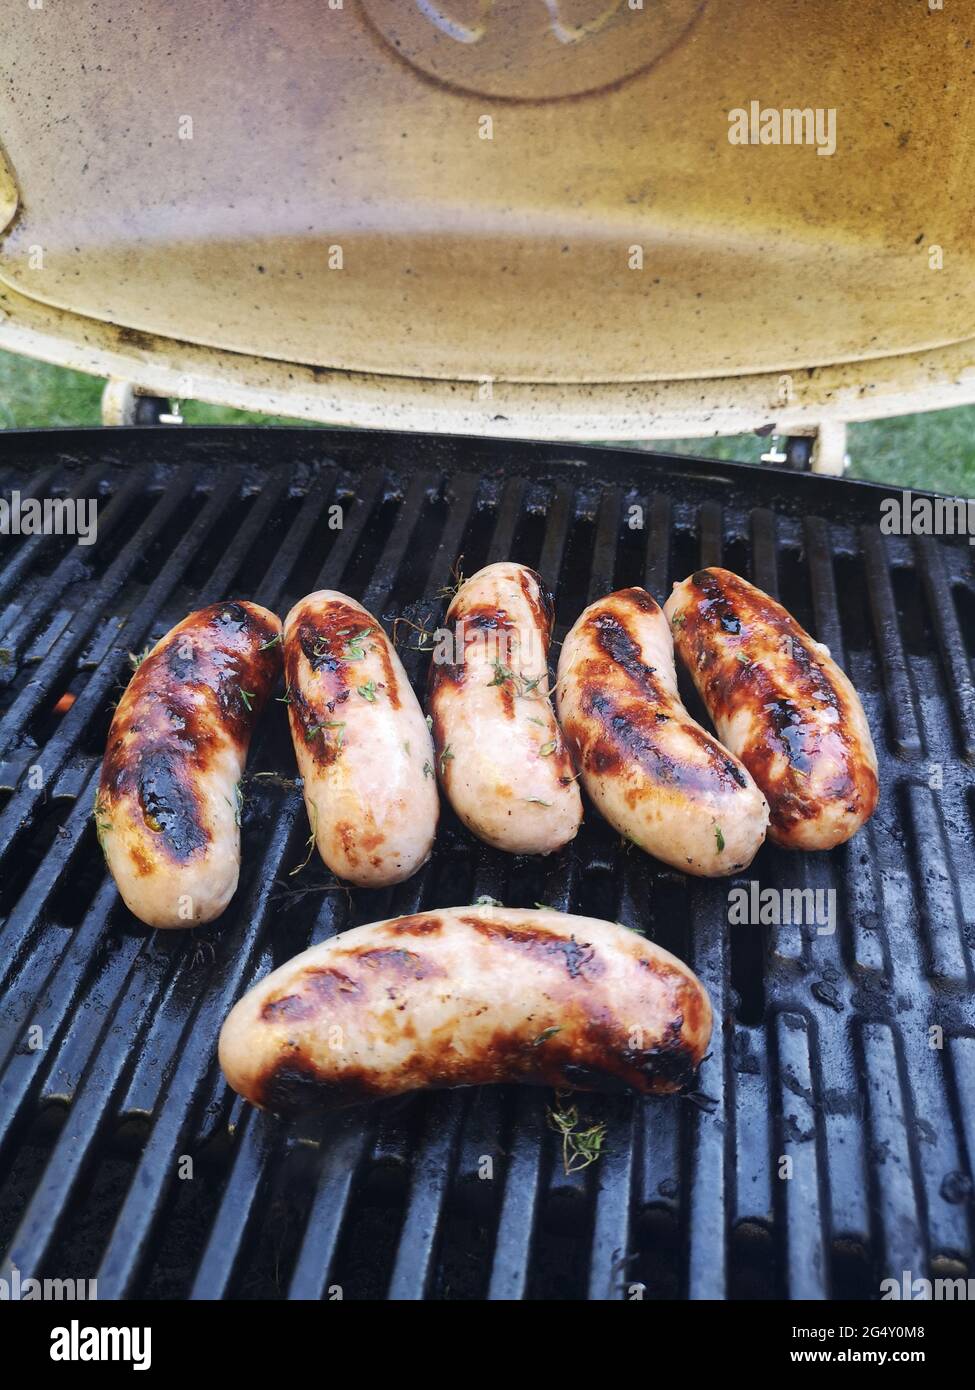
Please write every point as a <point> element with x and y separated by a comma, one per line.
<point>313,821</point>
<point>580,1147</point>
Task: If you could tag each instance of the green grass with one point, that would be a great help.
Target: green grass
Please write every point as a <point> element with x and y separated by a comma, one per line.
<point>35,395</point>
<point>935,450</point>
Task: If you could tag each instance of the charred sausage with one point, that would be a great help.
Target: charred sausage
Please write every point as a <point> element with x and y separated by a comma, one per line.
<point>362,743</point>
<point>656,775</point>
<point>501,758</point>
<point>467,996</point>
<point>780,702</point>
<point>167,812</point>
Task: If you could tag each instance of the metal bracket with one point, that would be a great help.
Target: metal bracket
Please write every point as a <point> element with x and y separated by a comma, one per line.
<point>821,450</point>
<point>123,404</point>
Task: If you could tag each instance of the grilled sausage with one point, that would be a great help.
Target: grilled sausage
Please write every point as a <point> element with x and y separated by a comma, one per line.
<point>167,811</point>
<point>500,754</point>
<point>780,702</point>
<point>466,996</point>
<point>362,743</point>
<point>656,775</point>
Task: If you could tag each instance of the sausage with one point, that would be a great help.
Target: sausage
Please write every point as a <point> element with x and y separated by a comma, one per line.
<point>657,776</point>
<point>167,811</point>
<point>501,758</point>
<point>467,996</point>
<point>780,702</point>
<point>362,743</point>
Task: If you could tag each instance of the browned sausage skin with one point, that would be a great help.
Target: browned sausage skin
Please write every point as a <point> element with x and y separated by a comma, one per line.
<point>362,744</point>
<point>467,996</point>
<point>500,755</point>
<point>167,809</point>
<point>655,774</point>
<point>781,704</point>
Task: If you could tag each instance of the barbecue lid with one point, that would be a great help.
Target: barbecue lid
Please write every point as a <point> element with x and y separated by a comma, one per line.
<point>469,190</point>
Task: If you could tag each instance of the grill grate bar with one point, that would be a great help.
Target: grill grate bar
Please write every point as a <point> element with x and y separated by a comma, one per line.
<point>129,1243</point>
<point>822,584</point>
<point>344,1155</point>
<point>613,1177</point>
<point>958,668</point>
<point>558,521</point>
<point>52,670</point>
<point>657,567</point>
<point>602,575</point>
<point>28,551</point>
<point>895,1194</point>
<point>63,988</point>
<point>73,1150</point>
<point>226,571</point>
<point>428,1191</point>
<point>900,695</point>
<point>765,556</point>
<point>519,1201</point>
<point>805,1254</point>
<point>271,587</point>
<point>384,575</point>
<point>74,567</point>
<point>707,1208</point>
<point>363,506</point>
<point>257,1142</point>
<point>28,917</point>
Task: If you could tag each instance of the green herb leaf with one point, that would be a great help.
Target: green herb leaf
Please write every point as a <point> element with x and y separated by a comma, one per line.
<point>102,823</point>
<point>544,1037</point>
<point>313,821</point>
<point>718,838</point>
<point>271,642</point>
<point>353,649</point>
<point>368,691</point>
<point>445,757</point>
<point>247,696</point>
<point>502,674</point>
<point>580,1147</point>
<point>547,749</point>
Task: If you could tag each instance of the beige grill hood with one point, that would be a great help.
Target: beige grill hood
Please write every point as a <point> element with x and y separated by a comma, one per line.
<point>295,204</point>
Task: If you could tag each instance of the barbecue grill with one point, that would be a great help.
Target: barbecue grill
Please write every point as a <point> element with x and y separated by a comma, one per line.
<point>124,1156</point>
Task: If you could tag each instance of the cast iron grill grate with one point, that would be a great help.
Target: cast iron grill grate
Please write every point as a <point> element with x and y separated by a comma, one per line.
<point>123,1155</point>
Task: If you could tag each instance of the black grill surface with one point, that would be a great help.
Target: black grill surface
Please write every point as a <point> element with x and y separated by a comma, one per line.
<point>122,1153</point>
